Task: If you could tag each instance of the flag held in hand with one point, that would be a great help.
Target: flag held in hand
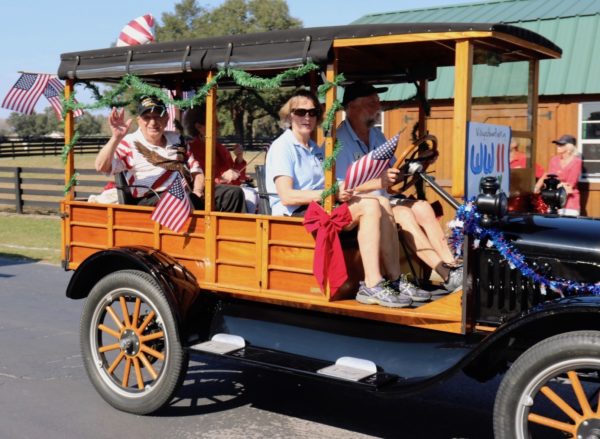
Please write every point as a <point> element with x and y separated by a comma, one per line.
<point>371,165</point>
<point>137,31</point>
<point>174,207</point>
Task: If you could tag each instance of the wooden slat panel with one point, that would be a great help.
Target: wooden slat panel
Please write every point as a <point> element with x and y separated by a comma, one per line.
<point>243,252</point>
<point>196,225</point>
<point>88,214</point>
<point>188,246</point>
<point>291,232</point>
<point>79,254</point>
<point>135,219</point>
<point>195,267</point>
<point>236,276</point>
<point>128,237</point>
<point>294,282</point>
<point>291,256</point>
<point>242,227</point>
<point>91,235</point>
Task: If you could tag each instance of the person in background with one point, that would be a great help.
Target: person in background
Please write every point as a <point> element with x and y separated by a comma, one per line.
<point>566,165</point>
<point>358,136</point>
<point>150,157</point>
<point>228,171</point>
<point>518,159</point>
<point>294,171</point>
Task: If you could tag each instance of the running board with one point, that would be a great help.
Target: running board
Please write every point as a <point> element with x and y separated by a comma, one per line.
<point>350,370</point>
<point>221,344</point>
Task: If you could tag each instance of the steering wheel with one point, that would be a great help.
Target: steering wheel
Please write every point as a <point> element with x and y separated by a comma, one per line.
<point>416,158</point>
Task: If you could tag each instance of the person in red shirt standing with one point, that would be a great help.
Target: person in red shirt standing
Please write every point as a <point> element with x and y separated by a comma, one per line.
<point>518,159</point>
<point>567,166</point>
<point>228,171</point>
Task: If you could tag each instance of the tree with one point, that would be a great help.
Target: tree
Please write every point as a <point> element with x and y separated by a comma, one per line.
<point>88,125</point>
<point>35,124</point>
<point>42,124</point>
<point>247,113</point>
<point>231,18</point>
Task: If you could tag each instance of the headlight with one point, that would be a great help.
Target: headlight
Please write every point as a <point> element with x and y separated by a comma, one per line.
<point>491,203</point>
<point>555,197</point>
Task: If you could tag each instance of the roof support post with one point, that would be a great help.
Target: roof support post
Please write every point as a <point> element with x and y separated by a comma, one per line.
<point>532,113</point>
<point>210,142</point>
<point>463,76</point>
<point>330,137</point>
<point>69,131</point>
<point>422,86</point>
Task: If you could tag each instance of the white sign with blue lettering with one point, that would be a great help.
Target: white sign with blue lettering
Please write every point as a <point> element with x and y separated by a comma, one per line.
<point>487,156</point>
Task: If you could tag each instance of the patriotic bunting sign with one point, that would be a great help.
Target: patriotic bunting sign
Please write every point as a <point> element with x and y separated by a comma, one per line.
<point>26,92</point>
<point>137,31</point>
<point>174,207</point>
<point>371,165</point>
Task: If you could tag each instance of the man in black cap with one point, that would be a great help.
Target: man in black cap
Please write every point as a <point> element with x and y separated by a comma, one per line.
<point>358,136</point>
<point>152,158</point>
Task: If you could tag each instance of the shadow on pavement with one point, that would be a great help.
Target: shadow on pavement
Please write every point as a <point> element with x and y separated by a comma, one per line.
<point>219,385</point>
<point>7,259</point>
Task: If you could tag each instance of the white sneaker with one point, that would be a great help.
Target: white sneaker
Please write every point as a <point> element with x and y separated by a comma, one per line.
<point>455,280</point>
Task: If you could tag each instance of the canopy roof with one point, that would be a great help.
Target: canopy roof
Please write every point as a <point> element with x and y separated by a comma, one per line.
<point>365,48</point>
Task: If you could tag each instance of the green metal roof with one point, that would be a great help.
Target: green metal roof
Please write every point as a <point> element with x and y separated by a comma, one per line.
<point>574,25</point>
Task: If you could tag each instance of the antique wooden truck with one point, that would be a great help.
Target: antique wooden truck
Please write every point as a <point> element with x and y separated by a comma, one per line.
<point>242,285</point>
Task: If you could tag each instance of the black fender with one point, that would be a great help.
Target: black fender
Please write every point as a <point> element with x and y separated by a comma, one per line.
<point>496,351</point>
<point>179,284</point>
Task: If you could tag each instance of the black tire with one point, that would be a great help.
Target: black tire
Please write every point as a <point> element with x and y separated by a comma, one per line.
<point>135,362</point>
<point>559,365</point>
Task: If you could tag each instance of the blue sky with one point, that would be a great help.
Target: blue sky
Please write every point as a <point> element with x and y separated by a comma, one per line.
<point>34,33</point>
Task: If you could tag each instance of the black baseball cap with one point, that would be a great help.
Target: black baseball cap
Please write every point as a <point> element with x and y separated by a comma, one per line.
<point>359,90</point>
<point>151,103</point>
<point>564,139</point>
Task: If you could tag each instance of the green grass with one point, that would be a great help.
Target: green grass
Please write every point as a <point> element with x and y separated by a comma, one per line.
<point>82,161</point>
<point>33,237</point>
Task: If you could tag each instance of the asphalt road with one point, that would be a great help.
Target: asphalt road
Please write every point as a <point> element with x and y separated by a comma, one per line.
<point>45,392</point>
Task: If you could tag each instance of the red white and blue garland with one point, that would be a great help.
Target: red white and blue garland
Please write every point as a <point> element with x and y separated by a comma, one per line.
<point>468,221</point>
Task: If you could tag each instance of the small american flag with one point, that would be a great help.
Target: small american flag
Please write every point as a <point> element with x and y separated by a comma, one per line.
<point>26,92</point>
<point>172,111</point>
<point>174,207</point>
<point>52,92</point>
<point>371,165</point>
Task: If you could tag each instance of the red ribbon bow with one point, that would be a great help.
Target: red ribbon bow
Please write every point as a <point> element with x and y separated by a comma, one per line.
<point>328,264</point>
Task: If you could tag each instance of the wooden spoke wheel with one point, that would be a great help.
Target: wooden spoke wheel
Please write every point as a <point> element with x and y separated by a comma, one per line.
<point>421,153</point>
<point>552,390</point>
<point>130,343</point>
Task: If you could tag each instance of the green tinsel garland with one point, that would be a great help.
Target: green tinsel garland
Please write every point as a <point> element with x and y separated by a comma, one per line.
<point>68,147</point>
<point>113,97</point>
<point>326,125</point>
<point>71,183</point>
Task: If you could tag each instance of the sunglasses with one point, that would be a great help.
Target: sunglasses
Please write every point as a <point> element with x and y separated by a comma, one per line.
<point>301,112</point>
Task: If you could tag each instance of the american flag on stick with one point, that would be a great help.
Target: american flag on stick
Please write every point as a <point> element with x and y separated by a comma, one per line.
<point>172,111</point>
<point>174,207</point>
<point>52,92</point>
<point>26,92</point>
<point>371,165</point>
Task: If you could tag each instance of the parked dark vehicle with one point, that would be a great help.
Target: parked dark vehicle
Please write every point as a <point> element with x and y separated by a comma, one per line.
<point>241,285</point>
